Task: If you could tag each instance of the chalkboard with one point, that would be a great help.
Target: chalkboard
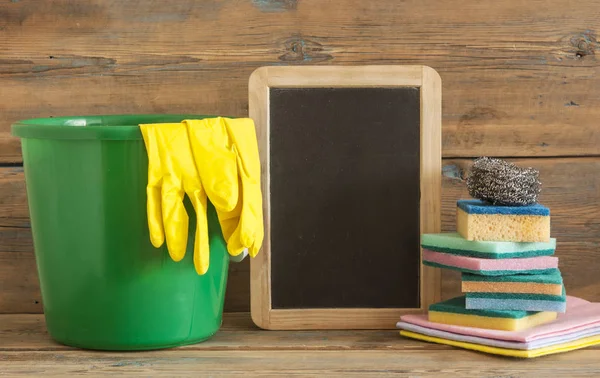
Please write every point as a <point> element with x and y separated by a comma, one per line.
<point>345,197</point>
<point>342,164</point>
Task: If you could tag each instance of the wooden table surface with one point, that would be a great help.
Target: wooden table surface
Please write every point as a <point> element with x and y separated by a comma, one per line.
<point>240,348</point>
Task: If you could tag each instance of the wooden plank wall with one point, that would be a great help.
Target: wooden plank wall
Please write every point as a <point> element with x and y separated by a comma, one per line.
<point>520,80</point>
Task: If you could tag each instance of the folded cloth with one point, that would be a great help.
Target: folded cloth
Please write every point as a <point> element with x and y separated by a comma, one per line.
<point>558,348</point>
<point>581,315</point>
<point>528,345</point>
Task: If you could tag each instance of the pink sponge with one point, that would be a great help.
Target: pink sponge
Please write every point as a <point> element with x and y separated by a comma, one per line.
<point>491,267</point>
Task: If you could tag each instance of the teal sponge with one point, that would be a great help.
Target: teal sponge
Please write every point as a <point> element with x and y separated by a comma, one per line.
<point>453,243</point>
<point>516,301</point>
<point>457,305</point>
<point>552,277</point>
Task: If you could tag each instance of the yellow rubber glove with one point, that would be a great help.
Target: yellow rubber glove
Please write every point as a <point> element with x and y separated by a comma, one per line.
<point>226,154</point>
<point>229,223</point>
<point>215,161</point>
<point>250,230</point>
<point>172,174</point>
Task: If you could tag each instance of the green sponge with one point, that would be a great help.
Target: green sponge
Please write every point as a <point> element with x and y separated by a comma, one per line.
<point>453,243</point>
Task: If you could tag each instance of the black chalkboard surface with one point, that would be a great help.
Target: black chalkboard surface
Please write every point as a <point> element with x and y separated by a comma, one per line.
<point>345,197</point>
<point>348,156</point>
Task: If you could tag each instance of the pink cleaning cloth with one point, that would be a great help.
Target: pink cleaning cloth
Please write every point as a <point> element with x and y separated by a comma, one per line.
<point>580,315</point>
<point>475,264</point>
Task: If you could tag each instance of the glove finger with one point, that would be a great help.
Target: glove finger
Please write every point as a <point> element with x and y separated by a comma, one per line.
<point>235,247</point>
<point>215,161</point>
<point>228,226</point>
<point>240,240</point>
<point>175,219</point>
<point>260,230</point>
<point>243,135</point>
<point>251,212</point>
<point>201,244</point>
<point>258,240</point>
<point>153,192</point>
<point>184,160</point>
<point>153,209</point>
<point>243,236</point>
<point>229,222</point>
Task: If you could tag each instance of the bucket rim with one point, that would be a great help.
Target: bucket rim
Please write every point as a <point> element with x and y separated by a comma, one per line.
<point>97,127</point>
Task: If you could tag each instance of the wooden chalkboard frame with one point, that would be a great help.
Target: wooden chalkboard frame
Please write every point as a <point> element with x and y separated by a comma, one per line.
<point>429,82</point>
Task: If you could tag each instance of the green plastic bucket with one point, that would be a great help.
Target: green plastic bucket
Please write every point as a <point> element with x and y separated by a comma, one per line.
<point>104,286</point>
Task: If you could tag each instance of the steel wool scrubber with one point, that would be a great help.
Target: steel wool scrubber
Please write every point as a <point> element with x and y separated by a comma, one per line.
<point>502,183</point>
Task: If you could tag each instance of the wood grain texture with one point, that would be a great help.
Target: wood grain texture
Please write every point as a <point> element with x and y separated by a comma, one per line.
<point>571,189</point>
<point>21,289</point>
<point>13,199</point>
<point>429,83</point>
<point>241,348</point>
<point>412,361</point>
<point>347,76</point>
<point>520,79</point>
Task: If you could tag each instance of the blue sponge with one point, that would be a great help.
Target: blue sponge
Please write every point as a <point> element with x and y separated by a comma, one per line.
<point>475,206</point>
<point>516,301</point>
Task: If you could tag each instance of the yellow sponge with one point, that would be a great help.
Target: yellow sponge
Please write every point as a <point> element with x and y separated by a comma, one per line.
<point>549,284</point>
<point>511,287</point>
<point>476,220</point>
<point>454,312</point>
<point>504,324</point>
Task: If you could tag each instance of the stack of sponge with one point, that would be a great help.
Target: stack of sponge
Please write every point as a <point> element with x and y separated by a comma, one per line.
<point>510,279</point>
<point>505,254</point>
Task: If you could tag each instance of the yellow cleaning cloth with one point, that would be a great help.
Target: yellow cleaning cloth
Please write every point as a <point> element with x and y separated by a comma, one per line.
<point>558,348</point>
